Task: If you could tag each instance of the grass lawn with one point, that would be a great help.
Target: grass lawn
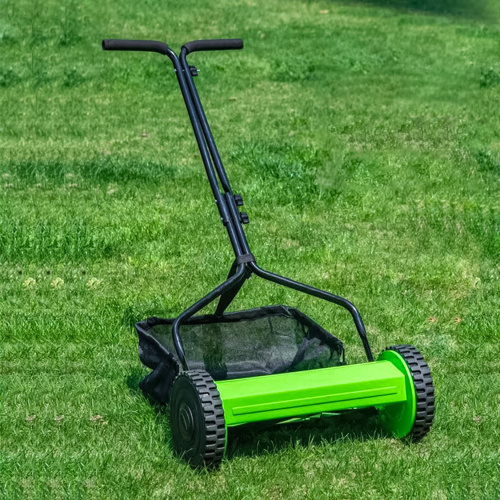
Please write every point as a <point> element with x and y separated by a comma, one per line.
<point>365,140</point>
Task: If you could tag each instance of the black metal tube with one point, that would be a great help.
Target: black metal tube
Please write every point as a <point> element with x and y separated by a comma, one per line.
<point>207,162</point>
<point>217,292</point>
<point>214,153</point>
<point>204,122</point>
<point>316,292</point>
<point>235,213</point>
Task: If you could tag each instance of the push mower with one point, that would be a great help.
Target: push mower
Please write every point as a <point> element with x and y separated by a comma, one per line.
<point>271,364</point>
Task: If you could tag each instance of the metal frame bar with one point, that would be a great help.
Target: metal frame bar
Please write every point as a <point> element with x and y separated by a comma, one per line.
<point>316,292</point>
<point>197,306</point>
<point>230,217</point>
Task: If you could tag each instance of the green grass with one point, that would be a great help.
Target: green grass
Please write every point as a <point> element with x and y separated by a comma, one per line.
<point>364,139</point>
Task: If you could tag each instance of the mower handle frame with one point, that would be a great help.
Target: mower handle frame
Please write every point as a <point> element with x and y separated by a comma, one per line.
<point>244,265</point>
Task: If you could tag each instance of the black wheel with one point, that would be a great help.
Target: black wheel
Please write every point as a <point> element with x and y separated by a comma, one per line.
<point>424,389</point>
<point>197,419</point>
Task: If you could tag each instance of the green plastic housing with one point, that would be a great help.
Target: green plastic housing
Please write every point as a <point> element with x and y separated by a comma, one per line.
<point>300,394</point>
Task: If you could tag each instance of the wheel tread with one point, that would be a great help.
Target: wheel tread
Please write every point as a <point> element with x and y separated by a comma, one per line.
<point>213,415</point>
<point>424,389</point>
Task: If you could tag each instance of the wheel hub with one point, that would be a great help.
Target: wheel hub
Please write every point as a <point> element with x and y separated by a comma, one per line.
<point>186,422</point>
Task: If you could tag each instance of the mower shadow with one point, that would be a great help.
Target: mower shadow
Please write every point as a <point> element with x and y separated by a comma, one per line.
<point>357,425</point>
<point>132,382</point>
<point>473,9</point>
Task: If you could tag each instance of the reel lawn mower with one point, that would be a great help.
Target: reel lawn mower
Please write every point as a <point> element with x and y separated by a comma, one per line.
<point>272,363</point>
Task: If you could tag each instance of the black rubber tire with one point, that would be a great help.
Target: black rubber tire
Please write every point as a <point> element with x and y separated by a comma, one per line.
<point>424,389</point>
<point>197,419</point>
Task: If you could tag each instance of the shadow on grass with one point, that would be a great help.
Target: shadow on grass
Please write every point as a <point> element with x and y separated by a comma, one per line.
<point>474,9</point>
<point>265,438</point>
<point>133,381</point>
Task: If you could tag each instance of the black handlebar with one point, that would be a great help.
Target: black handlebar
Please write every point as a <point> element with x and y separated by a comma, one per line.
<point>162,48</point>
<point>221,44</point>
<point>136,45</point>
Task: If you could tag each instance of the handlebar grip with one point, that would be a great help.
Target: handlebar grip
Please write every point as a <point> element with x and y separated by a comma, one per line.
<point>136,45</point>
<point>221,44</point>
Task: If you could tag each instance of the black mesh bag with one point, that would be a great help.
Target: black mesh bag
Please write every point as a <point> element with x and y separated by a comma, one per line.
<point>263,341</point>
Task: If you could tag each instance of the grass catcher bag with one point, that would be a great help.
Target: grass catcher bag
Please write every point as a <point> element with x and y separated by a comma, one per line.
<point>262,341</point>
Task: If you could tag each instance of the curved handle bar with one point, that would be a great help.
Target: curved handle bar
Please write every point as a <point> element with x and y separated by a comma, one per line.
<point>221,44</point>
<point>136,45</point>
